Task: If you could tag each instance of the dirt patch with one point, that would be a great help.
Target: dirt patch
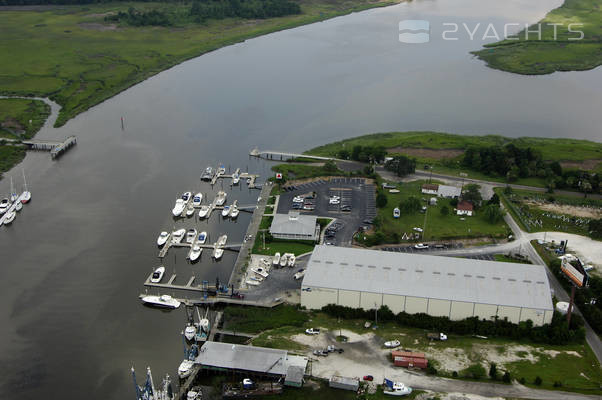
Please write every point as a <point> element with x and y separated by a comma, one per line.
<point>586,164</point>
<point>577,211</point>
<point>95,26</point>
<point>437,154</point>
<point>450,359</point>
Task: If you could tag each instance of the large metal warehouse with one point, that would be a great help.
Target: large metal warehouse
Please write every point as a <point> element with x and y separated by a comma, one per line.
<point>452,287</point>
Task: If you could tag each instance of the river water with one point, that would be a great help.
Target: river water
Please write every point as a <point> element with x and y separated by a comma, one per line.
<point>73,262</point>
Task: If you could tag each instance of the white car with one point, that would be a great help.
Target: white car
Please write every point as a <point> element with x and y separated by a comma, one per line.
<point>312,331</point>
<point>297,199</point>
<point>392,343</point>
<point>334,201</point>
<point>421,246</point>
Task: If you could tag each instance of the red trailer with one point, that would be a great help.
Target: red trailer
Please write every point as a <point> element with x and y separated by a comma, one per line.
<point>410,362</point>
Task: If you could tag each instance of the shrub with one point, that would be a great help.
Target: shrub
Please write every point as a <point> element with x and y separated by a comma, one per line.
<point>506,378</point>
<point>381,200</point>
<point>522,381</point>
<point>475,371</point>
<point>493,371</point>
<point>444,210</point>
<point>538,380</point>
<point>455,374</point>
<point>430,369</point>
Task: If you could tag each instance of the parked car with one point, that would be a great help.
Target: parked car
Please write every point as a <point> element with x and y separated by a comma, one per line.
<point>392,343</point>
<point>421,246</point>
<point>309,207</point>
<point>345,208</point>
<point>368,378</point>
<point>297,199</point>
<point>437,336</point>
<point>312,331</point>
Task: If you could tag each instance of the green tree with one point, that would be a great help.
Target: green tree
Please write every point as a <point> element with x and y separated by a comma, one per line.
<point>493,371</point>
<point>508,190</point>
<point>330,167</point>
<point>381,200</point>
<point>495,199</point>
<point>401,165</point>
<point>444,210</point>
<point>471,193</point>
<point>538,381</point>
<point>475,371</point>
<point>410,205</point>
<point>506,378</point>
<point>493,213</point>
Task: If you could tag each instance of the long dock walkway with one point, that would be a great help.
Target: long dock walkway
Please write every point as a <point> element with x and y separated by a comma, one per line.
<point>274,155</point>
<point>245,250</point>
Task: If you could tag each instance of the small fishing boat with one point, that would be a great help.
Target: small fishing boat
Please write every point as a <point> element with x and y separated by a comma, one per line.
<point>195,252</point>
<point>185,369</point>
<point>235,178</point>
<point>248,181</point>
<point>162,239</point>
<point>26,195</point>
<point>165,301</point>
<point>221,198</point>
<point>202,237</point>
<point>195,393</point>
<point>283,260</point>
<point>4,205</point>
<point>178,207</point>
<point>222,240</point>
<point>186,196</point>
<point>191,235</point>
<point>225,211</point>
<point>203,211</point>
<point>276,259</point>
<point>9,217</point>
<point>158,274</point>
<point>260,271</point>
<point>197,199</point>
<point>190,210</point>
<point>189,331</point>
<point>221,169</point>
<point>208,174</point>
<point>177,236</point>
<point>218,253</point>
<point>396,388</point>
<point>234,212</point>
<point>291,260</point>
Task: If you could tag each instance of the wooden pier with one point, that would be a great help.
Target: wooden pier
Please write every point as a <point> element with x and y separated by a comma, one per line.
<point>56,148</point>
<point>282,155</point>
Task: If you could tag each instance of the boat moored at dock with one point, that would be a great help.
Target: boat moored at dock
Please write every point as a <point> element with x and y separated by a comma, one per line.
<point>178,207</point>
<point>221,198</point>
<point>163,301</point>
<point>162,239</point>
<point>158,274</point>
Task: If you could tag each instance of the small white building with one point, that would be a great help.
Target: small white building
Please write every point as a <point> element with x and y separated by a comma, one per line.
<point>430,188</point>
<point>464,208</point>
<point>295,226</point>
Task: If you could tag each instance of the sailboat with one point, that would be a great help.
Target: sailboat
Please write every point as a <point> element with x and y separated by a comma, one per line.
<point>26,195</point>
<point>13,194</point>
<point>148,391</point>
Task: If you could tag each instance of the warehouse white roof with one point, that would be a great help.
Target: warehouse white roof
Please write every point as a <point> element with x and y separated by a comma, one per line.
<point>435,277</point>
<point>449,191</point>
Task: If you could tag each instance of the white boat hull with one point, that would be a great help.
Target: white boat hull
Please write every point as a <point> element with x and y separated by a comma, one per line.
<point>161,301</point>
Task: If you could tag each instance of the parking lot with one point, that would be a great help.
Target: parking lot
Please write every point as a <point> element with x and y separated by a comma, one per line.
<point>350,200</point>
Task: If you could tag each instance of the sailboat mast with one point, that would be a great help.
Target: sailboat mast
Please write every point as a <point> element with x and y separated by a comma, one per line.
<point>24,181</point>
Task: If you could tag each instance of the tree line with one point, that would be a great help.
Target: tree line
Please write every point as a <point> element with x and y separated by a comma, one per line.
<point>556,333</point>
<point>513,163</point>
<point>372,154</point>
<point>219,9</point>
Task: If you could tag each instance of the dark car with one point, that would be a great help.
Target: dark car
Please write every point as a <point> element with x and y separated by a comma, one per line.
<point>368,378</point>
<point>239,296</point>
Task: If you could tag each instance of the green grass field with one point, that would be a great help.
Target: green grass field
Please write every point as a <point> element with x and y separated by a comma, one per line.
<point>302,171</point>
<point>552,53</point>
<point>534,213</point>
<point>10,156</point>
<point>71,55</point>
<point>16,114</point>
<point>438,226</point>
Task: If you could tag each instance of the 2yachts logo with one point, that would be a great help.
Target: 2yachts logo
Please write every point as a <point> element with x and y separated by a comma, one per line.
<point>419,31</point>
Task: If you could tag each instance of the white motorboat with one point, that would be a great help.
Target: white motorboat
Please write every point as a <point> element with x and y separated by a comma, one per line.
<point>276,259</point>
<point>4,205</point>
<point>158,274</point>
<point>191,236</point>
<point>178,207</point>
<point>235,178</point>
<point>195,252</point>
<point>197,199</point>
<point>299,274</point>
<point>283,260</point>
<point>18,205</point>
<point>202,237</point>
<point>177,236</point>
<point>222,240</point>
<point>218,253</point>
<point>392,343</point>
<point>396,388</point>
<point>195,393</point>
<point>186,196</point>
<point>9,217</point>
<point>189,331</point>
<point>26,195</point>
<point>190,210</point>
<point>260,271</point>
<point>162,239</point>
<point>203,211</point>
<point>164,300</point>
<point>226,211</point>
<point>234,212</point>
<point>221,170</point>
<point>221,198</point>
<point>248,181</point>
<point>185,369</point>
<point>291,260</point>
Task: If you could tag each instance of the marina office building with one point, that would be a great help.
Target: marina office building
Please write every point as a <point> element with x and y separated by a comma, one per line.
<point>295,226</point>
<point>451,287</point>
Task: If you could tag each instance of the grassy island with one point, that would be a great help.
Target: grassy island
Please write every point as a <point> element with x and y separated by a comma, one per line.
<point>553,53</point>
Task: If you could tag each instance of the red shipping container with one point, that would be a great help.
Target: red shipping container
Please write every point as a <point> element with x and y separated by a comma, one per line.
<point>410,362</point>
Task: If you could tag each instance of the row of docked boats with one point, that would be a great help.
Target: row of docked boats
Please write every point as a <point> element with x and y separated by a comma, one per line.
<point>9,206</point>
<point>209,174</point>
<point>286,259</point>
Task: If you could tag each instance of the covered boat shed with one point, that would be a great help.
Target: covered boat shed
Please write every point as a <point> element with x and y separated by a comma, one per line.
<point>451,287</point>
<point>251,360</point>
